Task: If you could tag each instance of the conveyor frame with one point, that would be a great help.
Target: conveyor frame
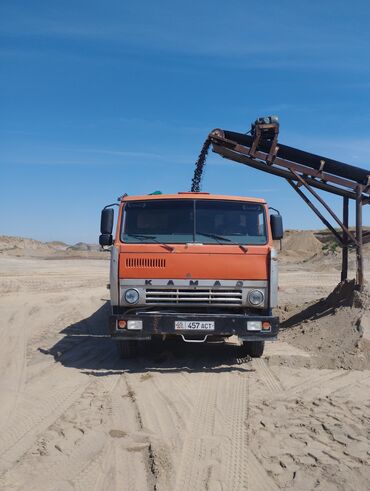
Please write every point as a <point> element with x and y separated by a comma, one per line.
<point>264,155</point>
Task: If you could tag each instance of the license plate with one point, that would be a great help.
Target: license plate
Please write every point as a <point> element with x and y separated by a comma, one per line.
<point>195,325</point>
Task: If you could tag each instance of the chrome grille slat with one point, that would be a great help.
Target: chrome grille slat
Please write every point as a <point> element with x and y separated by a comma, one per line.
<point>196,293</point>
<point>206,296</point>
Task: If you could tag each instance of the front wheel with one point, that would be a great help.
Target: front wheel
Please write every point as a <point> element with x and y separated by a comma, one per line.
<point>128,349</point>
<point>254,348</point>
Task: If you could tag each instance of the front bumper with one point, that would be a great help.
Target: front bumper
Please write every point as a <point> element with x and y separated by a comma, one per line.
<point>163,323</point>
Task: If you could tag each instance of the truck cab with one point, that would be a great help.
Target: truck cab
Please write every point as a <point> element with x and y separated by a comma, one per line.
<point>198,266</point>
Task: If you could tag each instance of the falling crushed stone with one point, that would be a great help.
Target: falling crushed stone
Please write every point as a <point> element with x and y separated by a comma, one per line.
<point>199,167</point>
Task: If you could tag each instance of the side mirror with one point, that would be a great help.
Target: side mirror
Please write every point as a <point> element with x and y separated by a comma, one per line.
<point>276,222</point>
<point>106,227</point>
<point>106,222</point>
<point>105,240</point>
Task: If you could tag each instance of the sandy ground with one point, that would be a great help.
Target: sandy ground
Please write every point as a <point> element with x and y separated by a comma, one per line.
<point>73,416</point>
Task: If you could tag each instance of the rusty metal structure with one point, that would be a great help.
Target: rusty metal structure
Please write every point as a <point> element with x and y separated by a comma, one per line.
<point>304,172</point>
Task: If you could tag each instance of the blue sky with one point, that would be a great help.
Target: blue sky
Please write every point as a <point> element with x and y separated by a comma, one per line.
<point>102,98</point>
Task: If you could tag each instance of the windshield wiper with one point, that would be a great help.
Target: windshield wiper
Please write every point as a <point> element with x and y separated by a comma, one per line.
<point>220,237</point>
<point>154,239</point>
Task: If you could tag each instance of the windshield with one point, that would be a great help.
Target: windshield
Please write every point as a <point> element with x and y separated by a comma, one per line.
<point>184,221</point>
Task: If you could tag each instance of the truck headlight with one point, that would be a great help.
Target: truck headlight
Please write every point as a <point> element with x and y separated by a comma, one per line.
<point>254,325</point>
<point>134,325</point>
<point>256,297</point>
<point>132,296</point>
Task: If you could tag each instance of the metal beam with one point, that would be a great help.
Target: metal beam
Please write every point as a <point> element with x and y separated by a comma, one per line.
<point>244,159</point>
<point>219,140</point>
<point>316,211</point>
<point>344,273</point>
<point>326,206</point>
<point>359,256</point>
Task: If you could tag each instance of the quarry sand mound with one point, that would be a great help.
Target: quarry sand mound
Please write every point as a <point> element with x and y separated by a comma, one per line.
<point>9,244</point>
<point>316,249</point>
<point>25,247</point>
<point>335,329</point>
<point>83,247</point>
<point>300,245</point>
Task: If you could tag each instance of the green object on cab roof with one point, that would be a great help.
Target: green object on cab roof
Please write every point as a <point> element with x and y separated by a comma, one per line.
<point>155,192</point>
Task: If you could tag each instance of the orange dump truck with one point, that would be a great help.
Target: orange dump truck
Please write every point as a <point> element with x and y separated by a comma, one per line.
<point>194,265</point>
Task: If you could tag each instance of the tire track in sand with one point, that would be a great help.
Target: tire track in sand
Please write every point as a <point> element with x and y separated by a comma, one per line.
<point>42,403</point>
<point>267,376</point>
<point>126,460</point>
<point>32,417</point>
<point>216,453</point>
<point>12,361</point>
<point>165,403</point>
<point>71,445</point>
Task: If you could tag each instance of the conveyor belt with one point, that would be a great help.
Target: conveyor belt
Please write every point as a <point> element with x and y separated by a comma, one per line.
<point>292,154</point>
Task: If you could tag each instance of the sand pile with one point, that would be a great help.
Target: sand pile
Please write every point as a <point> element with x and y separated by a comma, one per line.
<point>300,245</point>
<point>318,249</point>
<point>82,246</point>
<point>20,246</point>
<point>57,245</point>
<point>335,330</point>
<point>24,247</point>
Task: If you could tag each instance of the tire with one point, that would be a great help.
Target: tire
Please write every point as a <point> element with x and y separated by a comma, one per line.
<point>254,348</point>
<point>128,349</point>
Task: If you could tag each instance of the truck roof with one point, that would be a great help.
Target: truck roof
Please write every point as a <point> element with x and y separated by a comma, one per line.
<point>189,195</point>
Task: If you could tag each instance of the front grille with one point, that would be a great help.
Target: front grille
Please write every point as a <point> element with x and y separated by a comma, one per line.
<point>206,296</point>
<point>144,262</point>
